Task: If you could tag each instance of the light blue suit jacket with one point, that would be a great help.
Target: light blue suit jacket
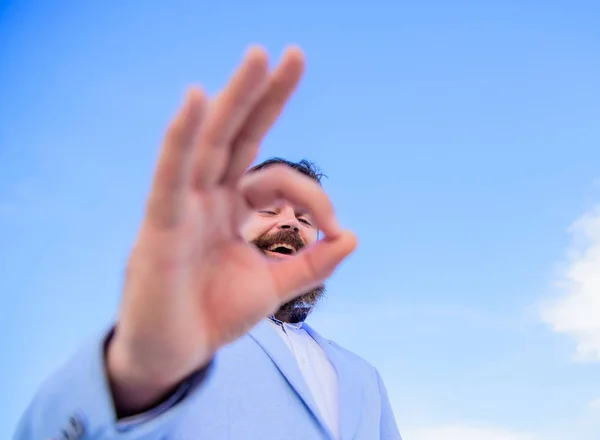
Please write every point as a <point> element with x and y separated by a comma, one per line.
<point>254,390</point>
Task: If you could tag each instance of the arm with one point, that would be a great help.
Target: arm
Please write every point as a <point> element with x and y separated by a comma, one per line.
<point>193,285</point>
<point>388,427</point>
<point>77,400</point>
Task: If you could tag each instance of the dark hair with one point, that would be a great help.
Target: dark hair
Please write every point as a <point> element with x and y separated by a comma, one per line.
<point>306,167</point>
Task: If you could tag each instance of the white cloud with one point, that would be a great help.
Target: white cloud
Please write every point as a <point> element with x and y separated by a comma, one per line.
<point>576,312</point>
<point>465,432</point>
<point>594,404</point>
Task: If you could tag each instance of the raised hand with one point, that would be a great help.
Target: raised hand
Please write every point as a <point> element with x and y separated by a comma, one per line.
<point>193,284</point>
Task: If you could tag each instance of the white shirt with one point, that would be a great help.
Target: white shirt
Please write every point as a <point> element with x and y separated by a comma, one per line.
<point>318,372</point>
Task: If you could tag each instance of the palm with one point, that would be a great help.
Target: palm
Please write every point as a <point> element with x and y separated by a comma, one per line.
<point>232,280</point>
<point>193,284</point>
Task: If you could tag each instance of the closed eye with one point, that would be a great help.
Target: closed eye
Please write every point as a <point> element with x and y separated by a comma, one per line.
<point>305,221</point>
<point>268,212</point>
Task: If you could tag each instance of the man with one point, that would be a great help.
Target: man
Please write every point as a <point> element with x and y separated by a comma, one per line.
<point>210,341</point>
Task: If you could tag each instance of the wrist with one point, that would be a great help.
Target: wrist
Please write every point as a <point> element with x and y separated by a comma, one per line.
<point>134,389</point>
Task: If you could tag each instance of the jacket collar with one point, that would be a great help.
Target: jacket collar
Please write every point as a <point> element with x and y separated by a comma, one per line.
<point>267,338</point>
<point>348,372</point>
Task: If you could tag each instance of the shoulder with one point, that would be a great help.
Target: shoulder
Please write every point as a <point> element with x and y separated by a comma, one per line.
<point>359,364</point>
<point>350,355</point>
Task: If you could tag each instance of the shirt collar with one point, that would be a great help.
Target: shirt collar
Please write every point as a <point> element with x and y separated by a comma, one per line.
<point>296,325</point>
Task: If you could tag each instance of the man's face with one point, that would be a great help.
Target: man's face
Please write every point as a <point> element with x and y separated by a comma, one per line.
<point>280,231</point>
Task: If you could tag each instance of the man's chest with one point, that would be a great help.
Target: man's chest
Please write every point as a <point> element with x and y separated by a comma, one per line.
<point>252,394</point>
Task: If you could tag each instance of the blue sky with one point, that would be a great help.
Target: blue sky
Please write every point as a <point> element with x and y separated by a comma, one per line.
<point>462,144</point>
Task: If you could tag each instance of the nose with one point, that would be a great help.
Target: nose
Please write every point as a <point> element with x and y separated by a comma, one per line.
<point>288,220</point>
<point>289,226</point>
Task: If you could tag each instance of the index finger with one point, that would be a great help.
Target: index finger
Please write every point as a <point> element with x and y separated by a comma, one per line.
<point>280,182</point>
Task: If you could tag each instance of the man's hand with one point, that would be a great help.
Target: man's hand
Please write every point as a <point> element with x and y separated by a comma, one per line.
<point>193,284</point>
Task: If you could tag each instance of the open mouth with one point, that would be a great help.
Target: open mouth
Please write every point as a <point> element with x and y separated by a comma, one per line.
<point>282,248</point>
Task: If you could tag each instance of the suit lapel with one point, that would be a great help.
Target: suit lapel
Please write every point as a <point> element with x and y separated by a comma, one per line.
<point>268,339</point>
<point>349,386</point>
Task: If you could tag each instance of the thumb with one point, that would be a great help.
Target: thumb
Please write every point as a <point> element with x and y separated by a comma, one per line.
<point>311,266</point>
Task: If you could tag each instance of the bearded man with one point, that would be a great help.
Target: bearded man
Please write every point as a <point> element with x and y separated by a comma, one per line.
<point>210,342</point>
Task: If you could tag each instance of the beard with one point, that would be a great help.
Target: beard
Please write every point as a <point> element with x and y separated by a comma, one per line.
<point>298,309</point>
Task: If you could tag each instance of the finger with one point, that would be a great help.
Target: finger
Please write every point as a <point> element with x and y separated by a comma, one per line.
<point>172,174</point>
<point>311,266</point>
<point>280,182</point>
<point>227,114</point>
<point>282,84</point>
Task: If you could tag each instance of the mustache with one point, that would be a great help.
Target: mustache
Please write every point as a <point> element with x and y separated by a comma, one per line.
<point>286,236</point>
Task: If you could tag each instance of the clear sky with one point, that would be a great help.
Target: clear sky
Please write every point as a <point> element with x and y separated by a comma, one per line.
<point>462,144</point>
